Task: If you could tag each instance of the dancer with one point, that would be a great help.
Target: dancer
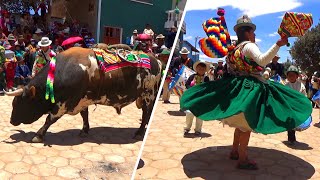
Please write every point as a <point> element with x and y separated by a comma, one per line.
<point>243,99</point>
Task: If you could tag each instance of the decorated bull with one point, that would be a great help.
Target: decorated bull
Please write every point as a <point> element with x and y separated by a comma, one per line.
<point>83,77</point>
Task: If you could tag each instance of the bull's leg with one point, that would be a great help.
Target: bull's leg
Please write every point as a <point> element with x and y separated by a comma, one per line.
<point>146,113</point>
<point>38,138</point>
<point>85,117</point>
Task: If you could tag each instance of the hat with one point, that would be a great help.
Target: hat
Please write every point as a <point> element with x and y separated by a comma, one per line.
<point>266,73</point>
<point>268,69</point>
<point>165,52</point>
<point>154,45</point>
<point>45,41</point>
<point>277,56</point>
<point>163,47</point>
<point>38,31</point>
<point>66,31</point>
<point>160,36</point>
<point>184,50</point>
<point>77,45</point>
<point>244,21</point>
<point>135,31</point>
<point>293,69</point>
<point>11,37</point>
<point>20,37</point>
<point>220,60</point>
<point>200,62</point>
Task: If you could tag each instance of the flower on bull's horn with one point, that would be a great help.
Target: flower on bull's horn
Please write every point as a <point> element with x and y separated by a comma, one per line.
<point>17,92</point>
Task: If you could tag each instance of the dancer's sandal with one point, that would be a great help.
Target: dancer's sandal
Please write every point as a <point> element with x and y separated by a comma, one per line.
<point>234,155</point>
<point>250,165</point>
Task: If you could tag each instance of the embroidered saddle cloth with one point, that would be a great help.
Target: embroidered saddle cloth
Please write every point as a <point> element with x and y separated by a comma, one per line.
<point>112,60</point>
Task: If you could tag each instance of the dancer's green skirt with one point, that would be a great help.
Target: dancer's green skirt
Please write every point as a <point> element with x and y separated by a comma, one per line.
<point>248,104</point>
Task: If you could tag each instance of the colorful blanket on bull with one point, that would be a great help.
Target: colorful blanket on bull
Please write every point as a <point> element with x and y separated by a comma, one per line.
<point>113,60</point>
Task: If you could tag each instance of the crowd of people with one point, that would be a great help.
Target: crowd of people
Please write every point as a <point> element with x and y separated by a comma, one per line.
<point>28,44</point>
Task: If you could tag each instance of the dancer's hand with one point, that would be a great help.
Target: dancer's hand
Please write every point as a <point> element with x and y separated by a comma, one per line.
<point>283,41</point>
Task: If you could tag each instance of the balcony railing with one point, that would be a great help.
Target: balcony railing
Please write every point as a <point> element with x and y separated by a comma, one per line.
<point>174,19</point>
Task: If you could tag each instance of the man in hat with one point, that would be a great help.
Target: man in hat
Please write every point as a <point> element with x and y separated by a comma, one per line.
<point>160,40</point>
<point>218,73</point>
<point>37,35</point>
<point>10,44</point>
<point>276,67</point>
<point>44,55</point>
<point>182,60</point>
<point>133,37</point>
<point>164,57</point>
<point>20,42</point>
<point>148,31</point>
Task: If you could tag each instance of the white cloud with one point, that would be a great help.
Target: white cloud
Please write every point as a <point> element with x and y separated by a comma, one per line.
<point>258,40</point>
<point>205,58</point>
<point>280,17</point>
<point>273,34</point>
<point>188,38</point>
<point>250,7</point>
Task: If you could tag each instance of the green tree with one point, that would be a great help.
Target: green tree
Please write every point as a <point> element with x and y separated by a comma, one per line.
<point>306,50</point>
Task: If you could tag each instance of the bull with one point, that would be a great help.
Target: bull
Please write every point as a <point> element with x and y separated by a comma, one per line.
<point>79,83</point>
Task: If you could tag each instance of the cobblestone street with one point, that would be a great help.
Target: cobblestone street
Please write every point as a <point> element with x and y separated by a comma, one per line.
<point>109,152</point>
<point>168,155</point>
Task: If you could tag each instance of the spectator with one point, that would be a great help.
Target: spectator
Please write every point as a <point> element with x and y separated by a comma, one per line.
<point>22,74</point>
<point>160,39</point>
<point>20,43</point>
<point>3,37</point>
<point>182,60</point>
<point>10,44</point>
<point>148,31</point>
<point>37,35</point>
<point>218,73</point>
<point>171,36</point>
<point>133,37</point>
<point>164,56</point>
<point>276,68</point>
<point>5,22</point>
<point>10,66</point>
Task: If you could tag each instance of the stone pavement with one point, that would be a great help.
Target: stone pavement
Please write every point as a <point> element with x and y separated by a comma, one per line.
<point>167,155</point>
<point>109,152</point>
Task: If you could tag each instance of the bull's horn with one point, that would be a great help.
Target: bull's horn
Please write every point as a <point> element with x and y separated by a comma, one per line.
<point>17,92</point>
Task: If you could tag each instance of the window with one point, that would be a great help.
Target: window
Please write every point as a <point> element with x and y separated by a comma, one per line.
<point>149,2</point>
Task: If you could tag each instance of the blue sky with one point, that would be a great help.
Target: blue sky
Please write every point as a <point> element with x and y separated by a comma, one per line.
<point>266,14</point>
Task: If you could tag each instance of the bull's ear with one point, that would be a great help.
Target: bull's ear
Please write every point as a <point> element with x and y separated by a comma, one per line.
<point>32,91</point>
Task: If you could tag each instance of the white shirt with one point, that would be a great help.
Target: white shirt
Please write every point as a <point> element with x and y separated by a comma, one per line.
<point>298,86</point>
<point>251,50</point>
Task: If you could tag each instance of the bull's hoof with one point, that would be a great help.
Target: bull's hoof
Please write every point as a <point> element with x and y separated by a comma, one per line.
<point>83,134</point>
<point>37,139</point>
<point>139,103</point>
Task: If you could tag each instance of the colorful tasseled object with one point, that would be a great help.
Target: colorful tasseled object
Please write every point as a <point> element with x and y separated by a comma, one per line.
<point>218,42</point>
<point>50,80</point>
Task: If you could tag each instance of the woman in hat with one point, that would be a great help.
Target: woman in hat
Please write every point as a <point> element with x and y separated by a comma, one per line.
<point>244,100</point>
<point>44,55</point>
